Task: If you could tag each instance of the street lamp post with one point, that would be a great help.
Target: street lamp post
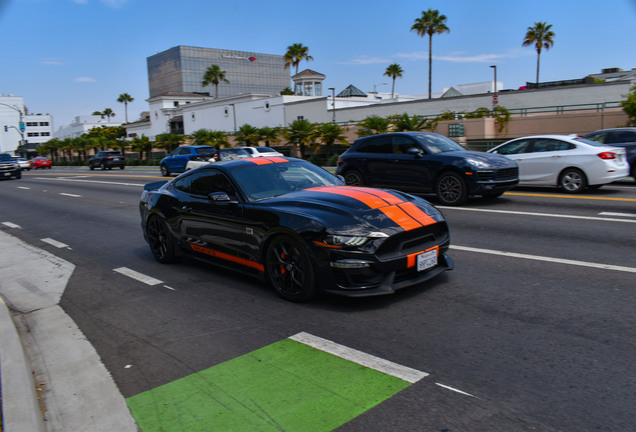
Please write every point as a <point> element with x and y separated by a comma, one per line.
<point>376,85</point>
<point>495,101</point>
<point>333,109</point>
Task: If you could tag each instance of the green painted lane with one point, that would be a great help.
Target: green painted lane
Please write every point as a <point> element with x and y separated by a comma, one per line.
<point>286,386</point>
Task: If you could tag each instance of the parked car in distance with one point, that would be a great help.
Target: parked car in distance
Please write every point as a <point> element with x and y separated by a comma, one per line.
<point>225,154</point>
<point>296,225</point>
<point>176,161</point>
<point>426,162</point>
<point>41,162</point>
<point>568,162</point>
<point>23,163</point>
<point>262,151</point>
<point>619,137</point>
<point>107,159</point>
<point>9,167</point>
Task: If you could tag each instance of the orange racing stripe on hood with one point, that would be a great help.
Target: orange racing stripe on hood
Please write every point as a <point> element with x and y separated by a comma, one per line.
<point>266,160</point>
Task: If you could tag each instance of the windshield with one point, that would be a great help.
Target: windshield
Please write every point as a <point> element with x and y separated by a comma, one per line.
<point>5,157</point>
<point>269,180</point>
<point>434,143</point>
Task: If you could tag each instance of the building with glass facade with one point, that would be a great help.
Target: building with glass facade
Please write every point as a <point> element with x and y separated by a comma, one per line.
<point>181,69</point>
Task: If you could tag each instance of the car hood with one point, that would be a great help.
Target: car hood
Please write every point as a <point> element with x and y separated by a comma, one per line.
<point>356,210</point>
<point>493,159</point>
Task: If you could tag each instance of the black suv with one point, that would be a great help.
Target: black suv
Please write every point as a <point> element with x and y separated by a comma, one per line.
<point>619,137</point>
<point>426,162</point>
<point>107,159</point>
<point>8,167</point>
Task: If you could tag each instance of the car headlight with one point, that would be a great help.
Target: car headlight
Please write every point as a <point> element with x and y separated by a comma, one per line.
<point>338,240</point>
<point>478,163</point>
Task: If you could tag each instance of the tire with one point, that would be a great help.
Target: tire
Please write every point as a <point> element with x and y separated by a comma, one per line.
<point>103,167</point>
<point>122,167</point>
<point>354,178</point>
<point>91,167</point>
<point>160,240</point>
<point>289,269</point>
<point>164,171</point>
<point>572,180</point>
<point>451,189</point>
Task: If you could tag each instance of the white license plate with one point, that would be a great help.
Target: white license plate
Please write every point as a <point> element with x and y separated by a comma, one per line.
<point>427,260</point>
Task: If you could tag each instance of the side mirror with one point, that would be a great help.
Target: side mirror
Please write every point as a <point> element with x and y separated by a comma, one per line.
<point>414,151</point>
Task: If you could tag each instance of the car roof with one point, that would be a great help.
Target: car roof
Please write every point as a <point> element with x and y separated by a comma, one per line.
<point>630,129</point>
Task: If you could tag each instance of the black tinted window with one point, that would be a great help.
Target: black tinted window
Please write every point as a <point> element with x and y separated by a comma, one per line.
<point>401,144</point>
<point>548,145</point>
<point>620,137</point>
<point>379,144</point>
<point>206,182</point>
<point>515,147</point>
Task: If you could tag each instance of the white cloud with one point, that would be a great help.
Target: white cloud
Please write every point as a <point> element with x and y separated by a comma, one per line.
<point>367,60</point>
<point>52,61</point>
<point>461,56</point>
<point>84,80</point>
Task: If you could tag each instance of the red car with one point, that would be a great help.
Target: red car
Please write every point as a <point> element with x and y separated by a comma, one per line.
<point>41,162</point>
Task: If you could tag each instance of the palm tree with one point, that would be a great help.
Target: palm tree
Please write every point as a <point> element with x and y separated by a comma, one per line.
<point>300,133</point>
<point>99,113</point>
<point>168,141</point>
<point>405,122</point>
<point>542,37</point>
<point>430,23</point>
<point>268,134</point>
<point>125,98</point>
<point>214,75</point>
<point>141,144</point>
<point>108,113</point>
<point>373,125</point>
<point>394,71</point>
<point>295,54</point>
<point>247,135</point>
<point>329,133</point>
<point>211,137</point>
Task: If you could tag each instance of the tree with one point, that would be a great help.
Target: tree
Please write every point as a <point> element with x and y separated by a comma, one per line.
<point>329,133</point>
<point>125,98</point>
<point>430,23</point>
<point>108,113</point>
<point>214,75</point>
<point>629,106</point>
<point>405,122</point>
<point>295,54</point>
<point>542,37</point>
<point>286,91</point>
<point>268,134</point>
<point>393,71</point>
<point>247,135</point>
<point>141,145</point>
<point>168,141</point>
<point>373,125</point>
<point>211,138</point>
<point>300,133</point>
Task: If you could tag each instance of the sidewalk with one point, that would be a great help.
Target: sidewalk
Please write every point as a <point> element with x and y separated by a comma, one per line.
<point>41,347</point>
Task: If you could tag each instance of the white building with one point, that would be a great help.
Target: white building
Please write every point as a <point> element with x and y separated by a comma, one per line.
<point>21,132</point>
<point>82,124</point>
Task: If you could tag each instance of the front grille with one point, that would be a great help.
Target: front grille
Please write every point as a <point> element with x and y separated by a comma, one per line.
<point>414,240</point>
<point>498,175</point>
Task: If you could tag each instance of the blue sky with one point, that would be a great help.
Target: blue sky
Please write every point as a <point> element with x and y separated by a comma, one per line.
<point>73,57</point>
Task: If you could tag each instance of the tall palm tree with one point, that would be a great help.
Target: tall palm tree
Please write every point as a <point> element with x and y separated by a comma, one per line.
<point>214,75</point>
<point>125,98</point>
<point>329,133</point>
<point>430,23</point>
<point>300,133</point>
<point>295,54</point>
<point>108,113</point>
<point>394,71</point>
<point>542,37</point>
<point>373,125</point>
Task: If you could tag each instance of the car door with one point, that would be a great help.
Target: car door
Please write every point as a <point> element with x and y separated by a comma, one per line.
<point>517,151</point>
<point>373,157</point>
<point>213,223</point>
<point>544,161</point>
<point>178,159</point>
<point>408,165</point>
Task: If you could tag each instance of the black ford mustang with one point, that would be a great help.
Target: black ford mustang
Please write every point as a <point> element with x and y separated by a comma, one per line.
<point>296,225</point>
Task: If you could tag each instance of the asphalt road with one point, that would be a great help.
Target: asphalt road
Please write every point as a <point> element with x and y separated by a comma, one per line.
<point>534,330</point>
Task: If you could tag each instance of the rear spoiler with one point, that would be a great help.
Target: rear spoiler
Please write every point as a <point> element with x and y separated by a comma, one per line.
<point>155,185</point>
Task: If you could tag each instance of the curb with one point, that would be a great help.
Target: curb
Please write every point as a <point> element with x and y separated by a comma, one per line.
<point>20,409</point>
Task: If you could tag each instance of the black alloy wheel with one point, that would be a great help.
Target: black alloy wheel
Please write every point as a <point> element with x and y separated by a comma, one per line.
<point>451,189</point>
<point>572,180</point>
<point>160,240</point>
<point>290,270</point>
<point>354,178</point>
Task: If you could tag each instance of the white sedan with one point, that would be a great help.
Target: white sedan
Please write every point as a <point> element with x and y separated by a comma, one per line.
<point>568,162</point>
<point>262,151</point>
